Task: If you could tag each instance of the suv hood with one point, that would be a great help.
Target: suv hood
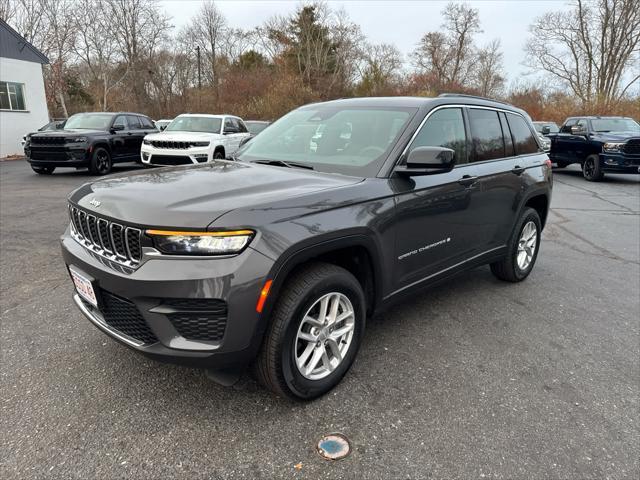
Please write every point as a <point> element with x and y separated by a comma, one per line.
<point>182,136</point>
<point>192,197</point>
<point>74,132</point>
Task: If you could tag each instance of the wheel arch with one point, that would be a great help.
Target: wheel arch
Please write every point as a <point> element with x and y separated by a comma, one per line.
<point>539,201</point>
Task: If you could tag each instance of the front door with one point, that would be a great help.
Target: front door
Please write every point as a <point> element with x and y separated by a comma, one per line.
<point>437,215</point>
<point>119,133</point>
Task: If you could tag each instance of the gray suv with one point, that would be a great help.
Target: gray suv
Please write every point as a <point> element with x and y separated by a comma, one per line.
<point>275,258</point>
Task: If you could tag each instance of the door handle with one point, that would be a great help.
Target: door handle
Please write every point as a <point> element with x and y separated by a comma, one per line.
<point>518,170</point>
<point>467,180</point>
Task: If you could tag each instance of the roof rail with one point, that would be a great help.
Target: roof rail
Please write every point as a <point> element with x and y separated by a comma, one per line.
<point>478,97</point>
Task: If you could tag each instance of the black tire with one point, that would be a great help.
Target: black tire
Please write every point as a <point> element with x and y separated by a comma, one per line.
<point>218,155</point>
<point>591,169</point>
<point>101,162</point>
<point>275,366</point>
<point>43,170</point>
<point>508,269</point>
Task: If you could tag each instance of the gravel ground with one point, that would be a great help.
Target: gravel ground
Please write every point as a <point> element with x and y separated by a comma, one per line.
<point>472,379</point>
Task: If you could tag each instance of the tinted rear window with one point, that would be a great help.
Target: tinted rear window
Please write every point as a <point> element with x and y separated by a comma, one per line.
<point>522,136</point>
<point>486,134</point>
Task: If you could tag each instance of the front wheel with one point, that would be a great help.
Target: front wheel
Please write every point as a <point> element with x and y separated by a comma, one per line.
<point>43,170</point>
<point>522,249</point>
<point>591,169</point>
<point>100,163</point>
<point>315,333</point>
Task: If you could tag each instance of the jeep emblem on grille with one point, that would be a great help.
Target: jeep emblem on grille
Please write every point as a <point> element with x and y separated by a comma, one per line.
<point>95,203</point>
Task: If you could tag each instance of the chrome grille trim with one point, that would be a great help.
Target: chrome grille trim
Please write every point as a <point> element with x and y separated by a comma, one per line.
<point>86,230</point>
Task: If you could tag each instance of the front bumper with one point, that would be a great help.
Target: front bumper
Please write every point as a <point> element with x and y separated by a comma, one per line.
<point>620,163</point>
<point>163,280</point>
<point>58,156</point>
<point>165,156</point>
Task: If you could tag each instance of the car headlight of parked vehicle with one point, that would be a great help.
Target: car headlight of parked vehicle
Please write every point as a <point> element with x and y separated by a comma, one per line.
<point>146,142</point>
<point>79,140</point>
<point>200,144</point>
<point>201,243</point>
<point>613,147</point>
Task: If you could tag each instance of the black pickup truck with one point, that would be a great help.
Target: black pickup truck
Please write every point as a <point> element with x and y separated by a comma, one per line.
<point>598,144</point>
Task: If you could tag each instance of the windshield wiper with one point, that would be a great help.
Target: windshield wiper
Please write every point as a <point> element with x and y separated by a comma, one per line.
<point>282,163</point>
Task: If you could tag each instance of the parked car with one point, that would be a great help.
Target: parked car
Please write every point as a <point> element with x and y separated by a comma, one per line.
<point>256,126</point>
<point>54,125</point>
<point>194,138</point>
<point>598,144</point>
<point>544,129</point>
<point>94,140</point>
<point>162,124</point>
<point>277,259</point>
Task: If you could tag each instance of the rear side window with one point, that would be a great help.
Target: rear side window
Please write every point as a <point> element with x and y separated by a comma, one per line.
<point>146,123</point>
<point>486,133</point>
<point>522,136</point>
<point>444,128</point>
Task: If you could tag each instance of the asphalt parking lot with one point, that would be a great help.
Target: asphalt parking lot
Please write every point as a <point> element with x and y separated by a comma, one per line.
<point>473,379</point>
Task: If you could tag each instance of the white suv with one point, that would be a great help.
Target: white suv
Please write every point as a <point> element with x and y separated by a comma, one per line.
<point>193,138</point>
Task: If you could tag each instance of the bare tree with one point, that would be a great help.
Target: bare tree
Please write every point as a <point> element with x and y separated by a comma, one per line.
<point>450,54</point>
<point>8,10</point>
<point>488,72</point>
<point>591,49</point>
<point>379,69</point>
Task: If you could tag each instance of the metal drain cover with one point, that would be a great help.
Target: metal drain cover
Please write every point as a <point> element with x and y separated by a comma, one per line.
<point>333,446</point>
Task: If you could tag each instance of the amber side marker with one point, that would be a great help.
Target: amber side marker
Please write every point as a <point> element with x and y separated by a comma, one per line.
<point>263,296</point>
<point>176,233</point>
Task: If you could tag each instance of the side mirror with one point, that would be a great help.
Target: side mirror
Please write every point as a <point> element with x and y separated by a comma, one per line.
<point>578,130</point>
<point>162,127</point>
<point>428,161</point>
<point>117,128</point>
<point>546,130</point>
<point>245,140</point>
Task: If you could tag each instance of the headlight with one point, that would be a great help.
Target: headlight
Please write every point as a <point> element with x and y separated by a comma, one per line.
<point>200,243</point>
<point>200,144</point>
<point>146,142</point>
<point>79,140</point>
<point>613,147</point>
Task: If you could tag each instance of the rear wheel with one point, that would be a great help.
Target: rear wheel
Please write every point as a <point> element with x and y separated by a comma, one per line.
<point>315,333</point>
<point>43,170</point>
<point>100,163</point>
<point>591,169</point>
<point>522,249</point>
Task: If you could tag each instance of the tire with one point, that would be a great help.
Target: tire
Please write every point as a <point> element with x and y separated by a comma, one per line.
<point>591,169</point>
<point>509,268</point>
<point>218,155</point>
<point>100,163</point>
<point>302,298</point>
<point>43,170</point>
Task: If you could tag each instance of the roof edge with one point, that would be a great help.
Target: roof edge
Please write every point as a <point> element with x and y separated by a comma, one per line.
<point>21,39</point>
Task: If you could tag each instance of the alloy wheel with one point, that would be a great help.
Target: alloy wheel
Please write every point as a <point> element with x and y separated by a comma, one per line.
<point>589,168</point>
<point>102,161</point>
<point>527,245</point>
<point>324,336</point>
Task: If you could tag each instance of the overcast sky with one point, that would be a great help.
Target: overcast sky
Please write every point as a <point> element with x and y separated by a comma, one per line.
<point>400,22</point>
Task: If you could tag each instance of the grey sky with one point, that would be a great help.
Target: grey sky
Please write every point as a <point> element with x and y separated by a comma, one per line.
<point>400,22</point>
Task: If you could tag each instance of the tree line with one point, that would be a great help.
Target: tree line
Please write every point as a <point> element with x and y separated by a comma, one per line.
<point>126,55</point>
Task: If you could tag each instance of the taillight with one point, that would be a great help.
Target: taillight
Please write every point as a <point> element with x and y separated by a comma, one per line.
<point>547,162</point>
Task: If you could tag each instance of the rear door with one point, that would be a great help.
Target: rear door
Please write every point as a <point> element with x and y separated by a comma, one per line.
<point>135,136</point>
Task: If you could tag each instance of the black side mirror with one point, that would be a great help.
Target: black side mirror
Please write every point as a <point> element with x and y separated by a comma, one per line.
<point>428,161</point>
<point>245,140</point>
<point>546,130</point>
<point>162,127</point>
<point>117,128</point>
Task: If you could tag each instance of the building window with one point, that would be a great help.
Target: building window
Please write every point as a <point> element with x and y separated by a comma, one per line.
<point>12,96</point>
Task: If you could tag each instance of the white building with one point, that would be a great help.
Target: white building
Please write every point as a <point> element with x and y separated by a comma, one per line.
<point>23,105</point>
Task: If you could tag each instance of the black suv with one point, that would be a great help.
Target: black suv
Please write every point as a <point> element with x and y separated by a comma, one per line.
<point>598,144</point>
<point>276,257</point>
<point>93,140</point>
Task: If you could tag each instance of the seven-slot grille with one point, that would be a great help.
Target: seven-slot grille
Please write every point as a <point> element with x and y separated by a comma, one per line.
<point>117,242</point>
<point>47,140</point>
<point>632,147</point>
<point>175,145</point>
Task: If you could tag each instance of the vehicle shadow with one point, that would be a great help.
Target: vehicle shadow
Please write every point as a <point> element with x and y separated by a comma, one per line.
<point>622,179</point>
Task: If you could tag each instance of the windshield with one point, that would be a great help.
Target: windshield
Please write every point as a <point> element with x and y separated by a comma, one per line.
<point>330,138</point>
<point>195,124</point>
<point>256,127</point>
<point>89,121</point>
<point>553,128</point>
<point>615,125</point>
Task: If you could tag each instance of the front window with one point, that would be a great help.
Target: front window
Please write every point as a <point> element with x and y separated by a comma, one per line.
<point>444,128</point>
<point>331,138</point>
<point>89,121</point>
<point>195,124</point>
<point>12,96</point>
<point>615,125</point>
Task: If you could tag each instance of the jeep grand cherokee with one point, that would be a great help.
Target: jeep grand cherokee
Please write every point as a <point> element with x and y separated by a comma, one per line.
<point>276,258</point>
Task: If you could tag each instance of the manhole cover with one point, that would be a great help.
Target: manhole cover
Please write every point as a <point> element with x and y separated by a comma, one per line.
<point>334,446</point>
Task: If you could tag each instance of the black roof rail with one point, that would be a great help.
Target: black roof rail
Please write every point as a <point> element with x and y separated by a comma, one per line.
<point>477,97</point>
